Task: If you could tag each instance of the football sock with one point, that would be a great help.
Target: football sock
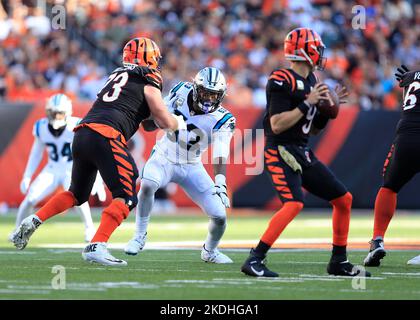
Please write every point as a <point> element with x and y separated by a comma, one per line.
<point>112,216</point>
<point>341,219</point>
<point>24,210</point>
<point>385,205</point>
<point>217,228</point>
<point>148,189</point>
<point>261,249</point>
<point>84,211</point>
<point>280,220</point>
<point>339,253</point>
<point>57,204</point>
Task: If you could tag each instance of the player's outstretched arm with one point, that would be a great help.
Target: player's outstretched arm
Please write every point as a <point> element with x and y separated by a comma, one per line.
<point>221,148</point>
<point>34,159</point>
<point>149,125</point>
<point>160,114</point>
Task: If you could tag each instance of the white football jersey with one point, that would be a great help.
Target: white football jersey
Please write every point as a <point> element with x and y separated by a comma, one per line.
<point>187,146</point>
<point>58,147</point>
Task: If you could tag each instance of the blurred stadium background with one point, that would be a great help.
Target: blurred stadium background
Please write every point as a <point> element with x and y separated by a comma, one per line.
<point>244,38</point>
<point>44,52</point>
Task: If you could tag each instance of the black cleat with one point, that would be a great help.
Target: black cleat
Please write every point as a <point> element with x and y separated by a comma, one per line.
<point>254,266</point>
<point>376,253</point>
<point>345,268</point>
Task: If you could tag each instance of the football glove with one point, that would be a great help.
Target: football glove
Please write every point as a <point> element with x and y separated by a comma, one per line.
<point>182,125</point>
<point>221,191</point>
<point>24,185</point>
<point>401,71</point>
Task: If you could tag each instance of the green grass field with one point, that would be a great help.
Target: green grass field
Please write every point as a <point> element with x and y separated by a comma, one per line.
<point>178,273</point>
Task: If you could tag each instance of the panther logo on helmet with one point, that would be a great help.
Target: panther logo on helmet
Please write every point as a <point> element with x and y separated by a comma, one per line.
<point>58,110</point>
<point>209,89</point>
<point>304,44</point>
<point>141,52</point>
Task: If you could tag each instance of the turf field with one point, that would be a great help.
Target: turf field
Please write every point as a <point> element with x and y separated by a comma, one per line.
<point>160,272</point>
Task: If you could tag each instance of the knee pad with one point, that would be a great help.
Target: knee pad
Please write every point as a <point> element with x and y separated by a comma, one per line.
<point>117,210</point>
<point>344,201</point>
<point>148,188</point>
<point>220,221</point>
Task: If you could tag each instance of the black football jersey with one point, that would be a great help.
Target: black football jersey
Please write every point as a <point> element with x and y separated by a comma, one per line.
<point>285,90</point>
<point>121,103</point>
<point>410,119</point>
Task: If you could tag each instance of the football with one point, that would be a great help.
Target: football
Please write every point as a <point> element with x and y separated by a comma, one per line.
<point>330,105</point>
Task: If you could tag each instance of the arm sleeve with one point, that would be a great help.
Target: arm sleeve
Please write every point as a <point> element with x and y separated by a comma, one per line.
<point>35,158</point>
<point>221,139</point>
<point>279,96</point>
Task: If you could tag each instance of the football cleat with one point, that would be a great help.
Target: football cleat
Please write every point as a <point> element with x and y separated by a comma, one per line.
<point>376,253</point>
<point>255,266</point>
<point>414,261</point>
<point>89,233</point>
<point>214,256</point>
<point>135,245</point>
<point>345,268</point>
<point>97,252</point>
<point>20,237</point>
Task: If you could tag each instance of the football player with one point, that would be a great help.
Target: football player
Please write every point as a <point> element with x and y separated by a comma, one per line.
<point>54,133</point>
<point>291,116</point>
<point>131,94</point>
<point>401,164</point>
<point>176,157</point>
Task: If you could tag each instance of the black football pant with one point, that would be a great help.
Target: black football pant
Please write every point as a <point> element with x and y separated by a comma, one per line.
<point>92,152</point>
<point>402,162</point>
<point>313,175</point>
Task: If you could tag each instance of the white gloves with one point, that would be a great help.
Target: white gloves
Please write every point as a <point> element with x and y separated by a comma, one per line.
<point>182,125</point>
<point>24,185</point>
<point>220,189</point>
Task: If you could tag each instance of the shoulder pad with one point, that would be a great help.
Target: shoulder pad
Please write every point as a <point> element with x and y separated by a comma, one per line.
<point>152,76</point>
<point>226,121</point>
<point>284,76</point>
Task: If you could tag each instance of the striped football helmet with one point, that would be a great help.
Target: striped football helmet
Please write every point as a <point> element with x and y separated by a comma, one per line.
<point>304,44</point>
<point>141,52</point>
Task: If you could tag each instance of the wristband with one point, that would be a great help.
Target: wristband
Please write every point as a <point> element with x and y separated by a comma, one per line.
<point>304,107</point>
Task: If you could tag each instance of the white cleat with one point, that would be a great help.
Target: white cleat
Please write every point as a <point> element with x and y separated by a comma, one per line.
<point>414,261</point>
<point>20,237</point>
<point>97,252</point>
<point>10,237</point>
<point>214,256</point>
<point>89,233</point>
<point>135,245</point>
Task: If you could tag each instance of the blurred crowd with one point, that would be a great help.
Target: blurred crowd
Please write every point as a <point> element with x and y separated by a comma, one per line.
<point>244,38</point>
